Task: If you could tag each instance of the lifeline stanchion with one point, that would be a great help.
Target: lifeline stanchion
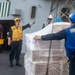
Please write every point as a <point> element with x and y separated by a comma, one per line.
<point>47,69</point>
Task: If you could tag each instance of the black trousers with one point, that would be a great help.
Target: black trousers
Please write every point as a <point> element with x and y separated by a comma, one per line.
<point>0,48</point>
<point>15,50</point>
<point>72,66</point>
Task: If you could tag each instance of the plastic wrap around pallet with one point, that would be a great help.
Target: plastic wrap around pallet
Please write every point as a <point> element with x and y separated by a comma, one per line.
<point>33,45</point>
<point>37,53</point>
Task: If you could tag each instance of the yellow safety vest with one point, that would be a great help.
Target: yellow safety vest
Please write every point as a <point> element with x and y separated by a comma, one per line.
<point>16,33</point>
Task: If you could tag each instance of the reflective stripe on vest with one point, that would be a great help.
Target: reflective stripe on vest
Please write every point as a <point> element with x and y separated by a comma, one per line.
<point>16,33</point>
<point>70,41</point>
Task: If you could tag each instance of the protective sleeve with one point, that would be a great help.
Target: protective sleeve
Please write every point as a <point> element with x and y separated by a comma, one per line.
<point>10,33</point>
<point>26,26</point>
<point>55,36</point>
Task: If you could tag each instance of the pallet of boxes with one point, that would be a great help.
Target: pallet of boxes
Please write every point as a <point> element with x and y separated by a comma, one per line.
<point>36,57</point>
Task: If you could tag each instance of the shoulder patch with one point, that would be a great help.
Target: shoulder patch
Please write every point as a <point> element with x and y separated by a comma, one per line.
<point>72,30</point>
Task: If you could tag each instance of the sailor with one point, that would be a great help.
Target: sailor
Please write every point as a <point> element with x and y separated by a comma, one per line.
<point>1,37</point>
<point>69,35</point>
<point>15,40</point>
<point>49,19</point>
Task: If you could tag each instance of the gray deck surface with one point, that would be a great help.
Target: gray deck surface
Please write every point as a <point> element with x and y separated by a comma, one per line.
<point>4,65</point>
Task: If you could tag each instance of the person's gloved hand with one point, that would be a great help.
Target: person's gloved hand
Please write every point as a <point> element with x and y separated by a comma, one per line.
<point>37,37</point>
<point>33,22</point>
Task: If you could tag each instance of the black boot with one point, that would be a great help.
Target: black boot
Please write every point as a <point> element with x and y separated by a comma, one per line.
<point>18,64</point>
<point>11,64</point>
<point>0,51</point>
